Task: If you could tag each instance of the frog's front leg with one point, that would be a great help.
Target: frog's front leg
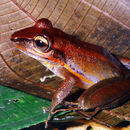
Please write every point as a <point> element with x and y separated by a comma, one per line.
<point>62,92</point>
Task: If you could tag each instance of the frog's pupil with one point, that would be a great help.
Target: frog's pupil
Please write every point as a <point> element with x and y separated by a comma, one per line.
<point>40,43</point>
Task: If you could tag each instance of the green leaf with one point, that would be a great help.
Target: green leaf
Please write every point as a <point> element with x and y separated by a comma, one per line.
<point>19,110</point>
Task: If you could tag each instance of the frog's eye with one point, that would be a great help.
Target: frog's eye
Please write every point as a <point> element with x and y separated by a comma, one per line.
<point>42,43</point>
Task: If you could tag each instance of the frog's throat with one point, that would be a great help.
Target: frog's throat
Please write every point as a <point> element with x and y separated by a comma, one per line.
<point>69,69</point>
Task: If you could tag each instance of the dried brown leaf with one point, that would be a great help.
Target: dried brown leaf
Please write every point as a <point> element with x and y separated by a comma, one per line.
<point>102,22</point>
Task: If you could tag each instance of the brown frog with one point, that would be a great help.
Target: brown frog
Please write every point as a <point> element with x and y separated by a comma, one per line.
<point>77,63</point>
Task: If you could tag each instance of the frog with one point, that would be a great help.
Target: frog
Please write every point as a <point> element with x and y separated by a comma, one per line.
<point>77,62</point>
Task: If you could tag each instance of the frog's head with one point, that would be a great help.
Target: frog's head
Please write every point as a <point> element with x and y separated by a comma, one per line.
<point>41,41</point>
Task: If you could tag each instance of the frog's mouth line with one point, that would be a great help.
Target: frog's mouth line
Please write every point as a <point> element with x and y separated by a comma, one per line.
<point>20,48</point>
<point>19,42</point>
<point>24,50</point>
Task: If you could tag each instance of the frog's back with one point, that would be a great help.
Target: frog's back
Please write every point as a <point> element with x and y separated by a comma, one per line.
<point>94,63</point>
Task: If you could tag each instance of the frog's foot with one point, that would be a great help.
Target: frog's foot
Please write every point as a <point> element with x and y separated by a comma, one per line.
<point>46,122</point>
<point>44,111</point>
<point>45,77</point>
